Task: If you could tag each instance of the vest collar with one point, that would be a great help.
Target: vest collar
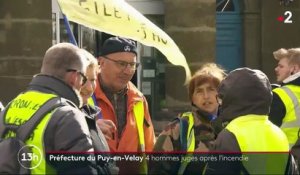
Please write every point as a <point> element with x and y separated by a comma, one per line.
<point>47,83</point>
<point>291,78</point>
<point>91,111</point>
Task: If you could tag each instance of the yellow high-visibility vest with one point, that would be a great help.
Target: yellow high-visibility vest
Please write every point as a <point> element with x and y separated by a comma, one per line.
<point>90,101</point>
<point>190,138</point>
<point>138,110</point>
<point>290,96</point>
<point>255,133</point>
<point>22,109</point>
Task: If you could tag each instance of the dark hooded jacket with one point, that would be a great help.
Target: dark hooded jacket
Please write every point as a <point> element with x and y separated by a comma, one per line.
<point>99,142</point>
<point>67,129</point>
<point>244,91</point>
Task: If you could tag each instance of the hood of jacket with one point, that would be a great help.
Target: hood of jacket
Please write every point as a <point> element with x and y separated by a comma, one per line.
<point>244,91</point>
<point>91,111</point>
<point>50,84</point>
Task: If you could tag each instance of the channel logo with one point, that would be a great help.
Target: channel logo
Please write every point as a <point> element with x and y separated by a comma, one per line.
<point>286,17</point>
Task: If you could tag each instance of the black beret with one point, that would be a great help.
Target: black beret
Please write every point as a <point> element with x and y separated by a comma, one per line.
<point>118,44</point>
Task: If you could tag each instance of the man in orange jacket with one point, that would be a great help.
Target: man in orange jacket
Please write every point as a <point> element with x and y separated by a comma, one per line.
<point>126,121</point>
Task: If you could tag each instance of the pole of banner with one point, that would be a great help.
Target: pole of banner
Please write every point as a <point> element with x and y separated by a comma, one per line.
<point>69,31</point>
<point>73,41</point>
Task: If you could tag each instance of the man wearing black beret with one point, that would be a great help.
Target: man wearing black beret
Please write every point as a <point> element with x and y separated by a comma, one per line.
<point>126,121</point>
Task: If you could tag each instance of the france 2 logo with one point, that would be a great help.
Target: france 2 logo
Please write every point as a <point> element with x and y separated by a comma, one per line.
<point>287,18</point>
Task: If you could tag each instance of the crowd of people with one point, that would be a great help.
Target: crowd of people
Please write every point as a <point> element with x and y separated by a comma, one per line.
<point>102,111</point>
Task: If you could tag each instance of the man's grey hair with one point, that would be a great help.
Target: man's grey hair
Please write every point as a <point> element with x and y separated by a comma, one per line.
<point>61,57</point>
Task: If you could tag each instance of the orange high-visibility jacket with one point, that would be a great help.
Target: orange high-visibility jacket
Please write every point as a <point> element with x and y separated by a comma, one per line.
<point>129,141</point>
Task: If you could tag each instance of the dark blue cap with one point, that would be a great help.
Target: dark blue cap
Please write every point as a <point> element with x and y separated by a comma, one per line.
<point>118,44</point>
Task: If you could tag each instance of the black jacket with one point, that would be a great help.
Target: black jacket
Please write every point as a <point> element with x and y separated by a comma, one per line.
<point>243,92</point>
<point>99,142</point>
<point>67,129</point>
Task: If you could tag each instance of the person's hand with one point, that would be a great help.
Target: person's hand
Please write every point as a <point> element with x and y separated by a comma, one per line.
<point>108,128</point>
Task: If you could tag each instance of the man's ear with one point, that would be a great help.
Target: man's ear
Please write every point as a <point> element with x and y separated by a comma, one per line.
<point>296,69</point>
<point>71,78</point>
<point>98,69</point>
<point>100,61</point>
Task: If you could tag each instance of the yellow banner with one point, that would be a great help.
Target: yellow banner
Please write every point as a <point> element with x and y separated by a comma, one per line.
<point>118,18</point>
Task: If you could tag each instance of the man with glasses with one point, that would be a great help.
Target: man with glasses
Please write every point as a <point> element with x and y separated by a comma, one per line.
<point>126,121</point>
<point>64,127</point>
<point>84,78</point>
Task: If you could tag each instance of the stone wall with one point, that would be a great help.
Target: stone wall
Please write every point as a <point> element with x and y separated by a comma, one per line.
<point>263,33</point>
<point>252,33</point>
<point>191,24</point>
<point>25,34</point>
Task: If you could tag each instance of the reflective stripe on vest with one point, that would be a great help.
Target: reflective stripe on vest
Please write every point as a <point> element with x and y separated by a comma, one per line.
<point>190,138</point>
<point>21,109</point>
<point>255,133</point>
<point>138,110</point>
<point>290,96</point>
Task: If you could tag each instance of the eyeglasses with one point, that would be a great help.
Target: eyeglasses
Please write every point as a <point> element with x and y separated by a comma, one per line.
<point>84,78</point>
<point>123,64</point>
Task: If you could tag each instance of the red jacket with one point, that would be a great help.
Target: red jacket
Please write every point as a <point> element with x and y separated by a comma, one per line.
<point>128,142</point>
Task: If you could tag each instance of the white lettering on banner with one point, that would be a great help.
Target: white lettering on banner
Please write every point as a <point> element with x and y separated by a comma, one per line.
<point>118,18</point>
<point>115,13</point>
